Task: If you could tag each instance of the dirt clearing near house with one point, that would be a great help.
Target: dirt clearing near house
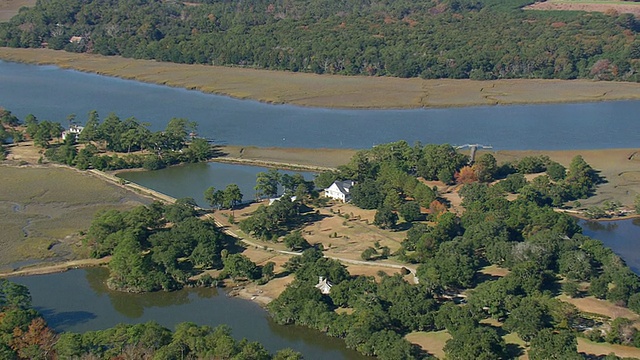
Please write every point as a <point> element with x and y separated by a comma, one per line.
<point>604,6</point>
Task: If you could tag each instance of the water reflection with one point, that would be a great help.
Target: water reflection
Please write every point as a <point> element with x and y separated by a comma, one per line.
<point>191,180</point>
<point>79,301</point>
<point>600,225</point>
<point>133,305</point>
<point>622,236</point>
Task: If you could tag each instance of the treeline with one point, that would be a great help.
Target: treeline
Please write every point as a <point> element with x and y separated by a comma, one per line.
<point>485,39</point>
<point>110,144</point>
<point>25,335</point>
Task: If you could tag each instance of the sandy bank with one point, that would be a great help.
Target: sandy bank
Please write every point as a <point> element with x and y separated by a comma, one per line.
<point>332,91</point>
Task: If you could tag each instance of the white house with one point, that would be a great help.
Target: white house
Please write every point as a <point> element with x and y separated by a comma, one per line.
<point>324,285</point>
<point>340,190</point>
<point>73,129</point>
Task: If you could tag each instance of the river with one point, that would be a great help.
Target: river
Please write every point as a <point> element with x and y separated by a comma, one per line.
<point>52,93</point>
<point>78,301</point>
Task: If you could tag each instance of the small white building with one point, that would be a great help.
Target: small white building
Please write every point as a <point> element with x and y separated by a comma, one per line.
<point>324,285</point>
<point>73,129</point>
<point>340,190</point>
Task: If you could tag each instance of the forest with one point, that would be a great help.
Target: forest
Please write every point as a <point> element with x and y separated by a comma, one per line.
<point>458,39</point>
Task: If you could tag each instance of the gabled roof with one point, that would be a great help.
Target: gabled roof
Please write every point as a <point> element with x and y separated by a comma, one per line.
<point>344,186</point>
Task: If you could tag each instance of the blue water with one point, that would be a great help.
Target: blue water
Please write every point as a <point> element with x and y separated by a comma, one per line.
<point>51,93</point>
<point>623,237</point>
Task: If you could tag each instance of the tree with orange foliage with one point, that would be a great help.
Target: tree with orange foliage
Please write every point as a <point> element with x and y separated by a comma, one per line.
<point>35,343</point>
<point>436,208</point>
<point>466,175</point>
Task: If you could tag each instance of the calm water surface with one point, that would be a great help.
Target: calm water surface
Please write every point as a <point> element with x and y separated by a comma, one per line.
<point>191,180</point>
<point>79,301</point>
<point>623,237</point>
<point>51,93</point>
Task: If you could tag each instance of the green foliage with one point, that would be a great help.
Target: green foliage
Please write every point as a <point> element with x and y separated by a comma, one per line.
<point>238,265</point>
<point>295,241</point>
<point>475,343</point>
<point>269,221</point>
<point>385,218</point>
<point>532,164</point>
<point>440,162</point>
<point>486,167</point>
<point>410,211</point>
<point>461,37</point>
<point>548,344</point>
<point>147,254</point>
<point>367,195</point>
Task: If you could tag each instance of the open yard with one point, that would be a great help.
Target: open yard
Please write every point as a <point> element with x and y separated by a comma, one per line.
<point>43,210</point>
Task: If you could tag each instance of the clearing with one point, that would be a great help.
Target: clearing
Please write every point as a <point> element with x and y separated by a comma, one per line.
<point>610,7</point>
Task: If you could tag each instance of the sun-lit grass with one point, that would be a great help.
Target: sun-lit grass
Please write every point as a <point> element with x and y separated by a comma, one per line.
<point>590,347</point>
<point>433,341</point>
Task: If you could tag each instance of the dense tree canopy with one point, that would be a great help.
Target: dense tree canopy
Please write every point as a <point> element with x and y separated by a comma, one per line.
<point>484,39</point>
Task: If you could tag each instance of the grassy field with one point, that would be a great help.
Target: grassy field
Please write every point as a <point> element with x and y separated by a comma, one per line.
<point>331,91</point>
<point>43,209</point>
<point>612,7</point>
<point>9,8</point>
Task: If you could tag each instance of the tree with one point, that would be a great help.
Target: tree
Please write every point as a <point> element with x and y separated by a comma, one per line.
<point>410,211</point>
<point>367,195</point>
<point>267,183</point>
<point>549,345</point>
<point>199,150</point>
<point>466,175</point>
<point>526,319</point>
<point>232,196</point>
<point>295,241</point>
<point>324,179</point>
<point>485,167</point>
<point>368,253</point>
<point>385,218</point>
<point>214,197</point>
<point>238,265</point>
<point>482,343</point>
<point>556,171</point>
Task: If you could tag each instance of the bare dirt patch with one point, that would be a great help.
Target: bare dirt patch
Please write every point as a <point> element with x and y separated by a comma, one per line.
<point>332,91</point>
<point>602,6</point>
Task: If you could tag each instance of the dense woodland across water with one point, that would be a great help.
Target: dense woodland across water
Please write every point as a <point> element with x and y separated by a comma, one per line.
<point>485,39</point>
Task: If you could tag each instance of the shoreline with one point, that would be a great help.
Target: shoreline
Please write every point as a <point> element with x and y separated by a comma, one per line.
<point>332,91</point>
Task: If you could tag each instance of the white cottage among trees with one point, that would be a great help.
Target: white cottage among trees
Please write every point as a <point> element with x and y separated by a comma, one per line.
<point>340,190</point>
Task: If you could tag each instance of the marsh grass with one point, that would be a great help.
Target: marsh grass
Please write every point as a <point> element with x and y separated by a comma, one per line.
<point>40,207</point>
<point>332,91</point>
